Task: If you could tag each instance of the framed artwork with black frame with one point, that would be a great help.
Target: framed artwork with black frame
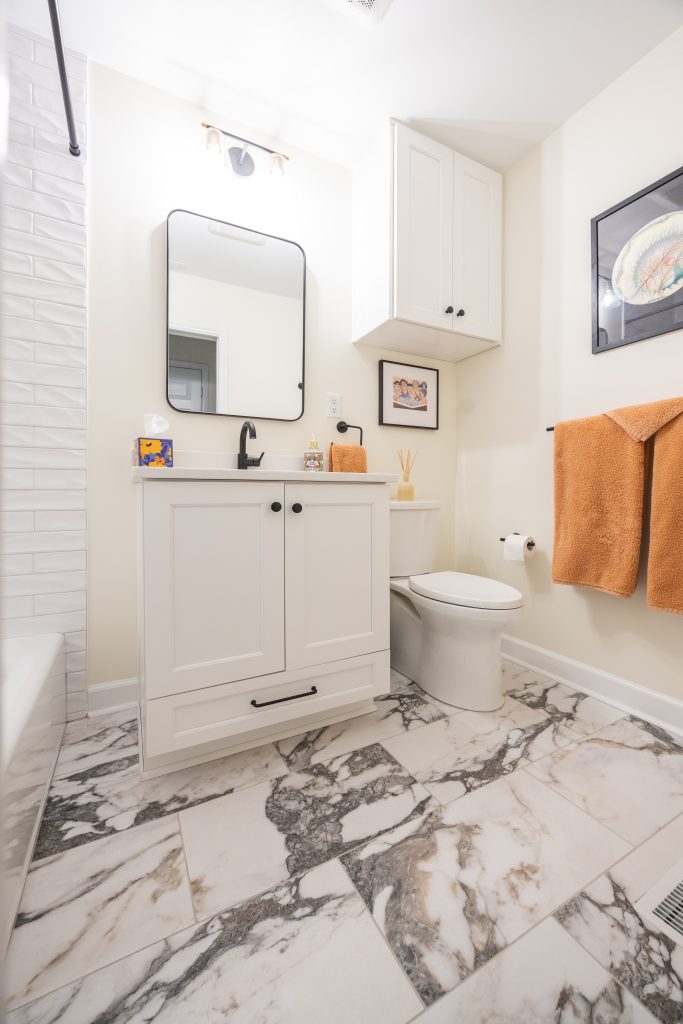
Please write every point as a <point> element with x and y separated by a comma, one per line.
<point>408,395</point>
<point>637,266</point>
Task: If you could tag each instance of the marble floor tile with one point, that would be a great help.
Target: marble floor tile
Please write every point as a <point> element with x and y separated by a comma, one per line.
<point>580,713</point>
<point>400,682</point>
<point>628,775</point>
<point>455,885</point>
<point>604,919</point>
<point>87,907</point>
<point>304,952</point>
<point>545,977</point>
<point>112,796</point>
<point>464,752</point>
<point>399,711</point>
<point>91,742</point>
<point>242,844</point>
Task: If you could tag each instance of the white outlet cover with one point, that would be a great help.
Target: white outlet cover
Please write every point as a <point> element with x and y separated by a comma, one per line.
<point>333,404</point>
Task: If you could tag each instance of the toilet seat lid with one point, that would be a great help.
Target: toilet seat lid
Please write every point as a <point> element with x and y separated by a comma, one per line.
<point>466,590</point>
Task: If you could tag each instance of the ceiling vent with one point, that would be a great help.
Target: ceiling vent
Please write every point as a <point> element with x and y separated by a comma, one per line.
<point>366,12</point>
<point>662,906</point>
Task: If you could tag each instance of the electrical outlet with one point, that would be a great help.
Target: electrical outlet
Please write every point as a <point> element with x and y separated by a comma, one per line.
<point>333,405</point>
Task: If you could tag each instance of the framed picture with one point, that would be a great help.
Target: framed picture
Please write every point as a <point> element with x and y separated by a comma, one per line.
<point>408,395</point>
<point>637,266</point>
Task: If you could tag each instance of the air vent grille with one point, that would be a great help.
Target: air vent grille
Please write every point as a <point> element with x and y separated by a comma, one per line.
<point>670,910</point>
<point>363,10</point>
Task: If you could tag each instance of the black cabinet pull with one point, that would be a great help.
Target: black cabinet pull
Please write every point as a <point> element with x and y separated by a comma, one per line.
<point>296,507</point>
<point>276,506</point>
<point>461,312</point>
<point>280,700</point>
<point>449,309</point>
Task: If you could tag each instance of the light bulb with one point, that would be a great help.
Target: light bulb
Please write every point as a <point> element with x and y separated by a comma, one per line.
<point>277,164</point>
<point>214,141</point>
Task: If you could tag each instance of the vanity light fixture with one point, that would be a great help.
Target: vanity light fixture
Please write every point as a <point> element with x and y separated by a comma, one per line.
<point>240,158</point>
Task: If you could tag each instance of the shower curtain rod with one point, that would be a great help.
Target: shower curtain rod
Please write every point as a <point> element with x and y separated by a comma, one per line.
<point>74,148</point>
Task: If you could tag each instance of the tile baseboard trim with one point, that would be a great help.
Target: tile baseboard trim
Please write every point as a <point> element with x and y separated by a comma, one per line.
<point>654,707</point>
<point>119,694</point>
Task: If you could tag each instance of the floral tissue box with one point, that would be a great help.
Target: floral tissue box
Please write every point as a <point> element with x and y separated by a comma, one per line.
<point>155,451</point>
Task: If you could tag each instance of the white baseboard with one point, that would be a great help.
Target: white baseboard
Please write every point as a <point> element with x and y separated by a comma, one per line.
<point>654,707</point>
<point>117,695</point>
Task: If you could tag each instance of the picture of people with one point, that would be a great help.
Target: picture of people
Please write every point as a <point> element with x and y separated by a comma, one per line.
<point>410,394</point>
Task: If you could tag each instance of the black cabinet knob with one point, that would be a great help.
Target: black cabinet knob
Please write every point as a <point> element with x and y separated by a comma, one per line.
<point>449,309</point>
<point>461,312</point>
<point>296,507</point>
<point>276,506</point>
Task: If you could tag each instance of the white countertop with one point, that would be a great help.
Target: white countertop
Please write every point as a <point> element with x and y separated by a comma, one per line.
<point>213,473</point>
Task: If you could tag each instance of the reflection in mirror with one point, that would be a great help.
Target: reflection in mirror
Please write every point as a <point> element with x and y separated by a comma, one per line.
<point>235,320</point>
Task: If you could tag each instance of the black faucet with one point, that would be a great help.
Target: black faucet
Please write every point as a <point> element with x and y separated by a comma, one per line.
<point>244,461</point>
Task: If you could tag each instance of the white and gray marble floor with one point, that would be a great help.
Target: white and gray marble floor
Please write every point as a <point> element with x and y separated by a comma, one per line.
<point>420,863</point>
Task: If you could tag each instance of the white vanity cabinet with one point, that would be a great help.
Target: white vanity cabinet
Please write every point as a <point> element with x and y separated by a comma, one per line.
<point>427,249</point>
<point>264,609</point>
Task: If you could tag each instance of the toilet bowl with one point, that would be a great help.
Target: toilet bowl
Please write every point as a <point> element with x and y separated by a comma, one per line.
<point>445,626</point>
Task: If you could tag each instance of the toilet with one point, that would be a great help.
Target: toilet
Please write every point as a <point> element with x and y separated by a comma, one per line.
<point>445,626</point>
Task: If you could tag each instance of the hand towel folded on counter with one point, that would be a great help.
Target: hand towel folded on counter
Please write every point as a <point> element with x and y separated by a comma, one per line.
<point>348,458</point>
<point>601,472</point>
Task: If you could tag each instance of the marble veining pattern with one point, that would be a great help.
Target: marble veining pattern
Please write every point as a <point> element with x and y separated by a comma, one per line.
<point>463,752</point>
<point>87,907</point>
<point>294,823</point>
<point>402,710</point>
<point>577,711</point>
<point>628,775</point>
<point>545,977</point>
<point>303,952</point>
<point>604,919</point>
<point>451,888</point>
<point>111,796</point>
<point>91,742</point>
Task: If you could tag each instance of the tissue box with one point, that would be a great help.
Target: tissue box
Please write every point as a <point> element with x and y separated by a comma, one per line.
<point>155,451</point>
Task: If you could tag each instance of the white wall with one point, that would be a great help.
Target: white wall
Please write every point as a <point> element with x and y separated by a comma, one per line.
<point>619,143</point>
<point>260,342</point>
<point>146,158</point>
<point>43,358</point>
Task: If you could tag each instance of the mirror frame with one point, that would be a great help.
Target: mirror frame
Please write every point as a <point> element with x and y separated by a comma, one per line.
<point>240,227</point>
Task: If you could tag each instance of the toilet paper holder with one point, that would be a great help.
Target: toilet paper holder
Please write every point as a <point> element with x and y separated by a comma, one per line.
<point>529,546</point>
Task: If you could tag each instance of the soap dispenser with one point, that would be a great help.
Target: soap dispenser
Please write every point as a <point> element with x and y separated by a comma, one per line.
<point>313,457</point>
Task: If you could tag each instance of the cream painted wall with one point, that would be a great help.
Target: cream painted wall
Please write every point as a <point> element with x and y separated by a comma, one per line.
<point>258,331</point>
<point>544,372</point>
<point>146,157</point>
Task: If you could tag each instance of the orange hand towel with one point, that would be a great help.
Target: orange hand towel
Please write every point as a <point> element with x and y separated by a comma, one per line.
<point>600,475</point>
<point>348,458</point>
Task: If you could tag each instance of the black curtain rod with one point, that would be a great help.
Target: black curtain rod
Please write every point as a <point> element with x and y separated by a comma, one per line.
<point>74,148</point>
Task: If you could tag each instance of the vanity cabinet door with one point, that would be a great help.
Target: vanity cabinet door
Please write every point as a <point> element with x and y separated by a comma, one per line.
<point>337,579</point>
<point>213,583</point>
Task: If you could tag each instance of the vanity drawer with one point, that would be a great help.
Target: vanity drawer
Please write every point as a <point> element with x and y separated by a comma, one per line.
<point>230,711</point>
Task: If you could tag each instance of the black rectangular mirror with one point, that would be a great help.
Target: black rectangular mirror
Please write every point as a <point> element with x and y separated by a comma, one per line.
<point>235,320</point>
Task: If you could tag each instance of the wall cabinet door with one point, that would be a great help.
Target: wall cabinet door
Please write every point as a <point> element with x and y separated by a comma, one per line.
<point>423,229</point>
<point>337,572</point>
<point>213,583</point>
<point>477,244</point>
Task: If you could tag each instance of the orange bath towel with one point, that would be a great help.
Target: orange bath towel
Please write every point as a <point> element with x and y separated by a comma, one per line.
<point>600,477</point>
<point>348,458</point>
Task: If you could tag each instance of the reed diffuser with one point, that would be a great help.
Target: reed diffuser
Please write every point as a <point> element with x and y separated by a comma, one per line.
<point>405,490</point>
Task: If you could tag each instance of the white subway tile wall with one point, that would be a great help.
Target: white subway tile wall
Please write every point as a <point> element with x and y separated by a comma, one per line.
<point>43,358</point>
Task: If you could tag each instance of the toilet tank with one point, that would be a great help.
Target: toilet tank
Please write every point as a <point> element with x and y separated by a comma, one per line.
<point>414,529</point>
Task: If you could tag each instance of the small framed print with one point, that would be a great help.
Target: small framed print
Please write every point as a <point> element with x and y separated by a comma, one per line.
<point>408,395</point>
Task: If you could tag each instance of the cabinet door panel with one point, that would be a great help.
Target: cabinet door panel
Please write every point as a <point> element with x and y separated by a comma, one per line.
<point>213,583</point>
<point>337,579</point>
<point>477,244</point>
<point>423,229</point>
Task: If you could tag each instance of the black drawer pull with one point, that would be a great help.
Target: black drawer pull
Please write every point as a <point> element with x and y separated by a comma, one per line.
<point>280,700</point>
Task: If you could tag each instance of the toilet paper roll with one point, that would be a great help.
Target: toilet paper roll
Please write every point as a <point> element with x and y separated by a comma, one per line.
<point>516,547</point>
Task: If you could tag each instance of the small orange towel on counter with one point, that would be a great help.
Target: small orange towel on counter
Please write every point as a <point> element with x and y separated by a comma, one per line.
<point>600,481</point>
<point>348,458</point>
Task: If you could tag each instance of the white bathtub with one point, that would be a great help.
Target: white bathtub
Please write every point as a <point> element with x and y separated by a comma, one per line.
<point>33,716</point>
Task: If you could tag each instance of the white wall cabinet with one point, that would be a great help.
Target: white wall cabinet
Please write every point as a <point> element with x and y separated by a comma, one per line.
<point>264,610</point>
<point>427,249</point>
